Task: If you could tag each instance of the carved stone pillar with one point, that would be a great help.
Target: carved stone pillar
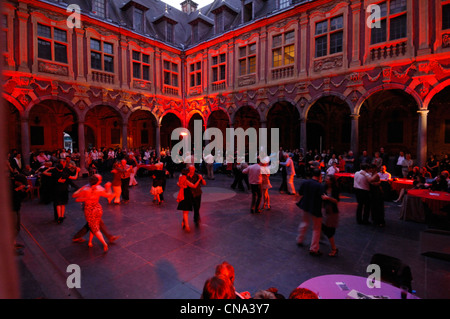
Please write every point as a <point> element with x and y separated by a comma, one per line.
<point>354,139</point>
<point>25,133</point>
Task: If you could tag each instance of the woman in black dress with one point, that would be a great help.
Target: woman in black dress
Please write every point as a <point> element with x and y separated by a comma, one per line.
<point>376,198</point>
<point>184,198</point>
<point>331,216</point>
<point>61,179</point>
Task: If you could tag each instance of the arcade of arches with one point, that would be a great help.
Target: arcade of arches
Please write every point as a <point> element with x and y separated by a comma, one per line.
<point>389,118</point>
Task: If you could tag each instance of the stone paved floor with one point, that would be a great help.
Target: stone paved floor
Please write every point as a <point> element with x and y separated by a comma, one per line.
<point>156,259</point>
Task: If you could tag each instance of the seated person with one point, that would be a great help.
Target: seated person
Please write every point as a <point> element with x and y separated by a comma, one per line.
<point>227,270</point>
<point>218,287</point>
<point>303,293</point>
<point>413,173</point>
<point>439,184</point>
<point>384,175</point>
<point>419,183</point>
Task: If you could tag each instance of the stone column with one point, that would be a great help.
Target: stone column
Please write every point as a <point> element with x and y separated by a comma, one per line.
<point>303,135</point>
<point>422,138</point>
<point>80,57</point>
<point>25,139</point>
<point>303,46</point>
<point>82,148</point>
<point>354,140</point>
<point>125,136</point>
<point>158,139</point>
<point>124,82</point>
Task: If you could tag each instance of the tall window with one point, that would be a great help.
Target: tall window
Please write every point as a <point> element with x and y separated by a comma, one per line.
<point>141,66</point>
<point>138,19</point>
<point>99,8</point>
<point>446,16</point>
<point>52,43</point>
<point>329,36</point>
<point>171,74</point>
<point>283,49</point>
<point>195,74</point>
<point>219,67</point>
<point>247,59</point>
<point>392,22</point>
<point>102,56</point>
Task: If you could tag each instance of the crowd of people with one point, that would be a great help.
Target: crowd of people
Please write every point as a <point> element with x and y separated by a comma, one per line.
<point>319,191</point>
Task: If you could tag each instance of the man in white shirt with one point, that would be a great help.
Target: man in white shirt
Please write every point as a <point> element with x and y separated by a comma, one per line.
<point>255,180</point>
<point>290,173</point>
<point>362,191</point>
<point>333,169</point>
<point>384,175</point>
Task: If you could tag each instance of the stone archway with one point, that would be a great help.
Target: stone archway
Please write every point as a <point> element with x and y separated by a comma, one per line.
<point>284,116</point>
<point>169,122</point>
<point>388,119</point>
<point>107,127</point>
<point>438,137</point>
<point>142,129</point>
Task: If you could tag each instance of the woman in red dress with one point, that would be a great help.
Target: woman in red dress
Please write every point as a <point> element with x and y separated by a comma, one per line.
<point>90,196</point>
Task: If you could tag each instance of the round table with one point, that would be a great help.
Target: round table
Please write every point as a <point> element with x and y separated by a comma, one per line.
<point>399,183</point>
<point>326,287</point>
<point>435,200</point>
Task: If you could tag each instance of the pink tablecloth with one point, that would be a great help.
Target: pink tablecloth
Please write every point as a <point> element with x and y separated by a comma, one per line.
<point>400,183</point>
<point>326,287</point>
<point>435,200</point>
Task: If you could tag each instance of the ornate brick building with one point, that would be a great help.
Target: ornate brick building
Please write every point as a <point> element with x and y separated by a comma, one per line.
<point>327,73</point>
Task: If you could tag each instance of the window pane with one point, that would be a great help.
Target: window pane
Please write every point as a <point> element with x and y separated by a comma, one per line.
<point>277,41</point>
<point>192,80</point>
<point>136,70</point>
<point>284,4</point>
<point>321,46</point>
<point>242,52</point>
<point>44,31</point>
<point>167,78</point>
<point>146,72</point>
<point>397,6</point>
<point>223,58</point>
<point>336,23</point>
<point>166,65</point>
<point>252,64</point>
<point>336,42</point>
<point>107,48</point>
<point>289,37</point>
<point>199,78</point>
<point>60,35</point>
<point>96,61</point>
<point>44,49</point>
<point>138,20</point>
<point>98,8</point>
<point>398,27</point>
<point>174,67</point>
<point>215,74</point>
<point>199,65</point>
<point>446,17</point>
<point>214,60</point>
<point>242,67</point>
<point>145,58</point>
<point>276,58</point>
<point>60,53</point>
<point>109,63</point>
<point>378,35</point>
<point>136,55</point>
<point>192,67</point>
<point>252,48</point>
<point>383,9</point>
<point>321,27</point>
<point>222,72</point>
<point>289,54</point>
<point>95,45</point>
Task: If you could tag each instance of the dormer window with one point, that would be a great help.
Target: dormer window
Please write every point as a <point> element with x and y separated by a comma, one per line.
<point>138,20</point>
<point>169,32</point>
<point>99,8</point>
<point>248,12</point>
<point>136,14</point>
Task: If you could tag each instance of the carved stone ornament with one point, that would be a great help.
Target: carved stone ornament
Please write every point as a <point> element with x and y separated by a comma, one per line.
<point>53,68</point>
<point>328,63</point>
<point>247,80</point>
<point>446,40</point>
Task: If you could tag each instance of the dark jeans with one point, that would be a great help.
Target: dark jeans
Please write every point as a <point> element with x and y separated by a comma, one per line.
<point>125,188</point>
<point>196,202</point>
<point>363,209</point>
<point>256,196</point>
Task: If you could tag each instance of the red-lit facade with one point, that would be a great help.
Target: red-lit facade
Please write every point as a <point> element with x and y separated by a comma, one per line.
<point>314,69</point>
